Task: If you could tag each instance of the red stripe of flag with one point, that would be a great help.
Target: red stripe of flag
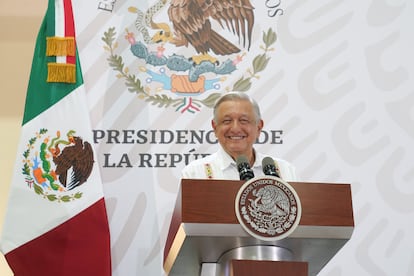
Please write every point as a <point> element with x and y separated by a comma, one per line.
<point>69,27</point>
<point>77,247</point>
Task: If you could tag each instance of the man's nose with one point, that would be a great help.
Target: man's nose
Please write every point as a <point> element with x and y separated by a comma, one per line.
<point>235,124</point>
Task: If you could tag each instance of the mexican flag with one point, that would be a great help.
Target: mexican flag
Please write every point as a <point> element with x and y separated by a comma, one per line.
<point>56,221</point>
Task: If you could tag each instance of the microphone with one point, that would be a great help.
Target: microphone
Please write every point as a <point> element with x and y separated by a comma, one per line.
<point>243,167</point>
<point>270,167</point>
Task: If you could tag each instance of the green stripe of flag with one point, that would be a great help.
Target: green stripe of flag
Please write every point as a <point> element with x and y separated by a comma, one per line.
<point>40,94</point>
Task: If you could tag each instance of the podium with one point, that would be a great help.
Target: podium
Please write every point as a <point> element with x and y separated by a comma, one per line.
<point>205,237</point>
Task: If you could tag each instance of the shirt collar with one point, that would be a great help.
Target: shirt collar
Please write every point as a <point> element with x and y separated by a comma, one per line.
<point>227,160</point>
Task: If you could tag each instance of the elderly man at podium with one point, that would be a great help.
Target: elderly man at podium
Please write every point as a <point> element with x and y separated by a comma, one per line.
<point>237,123</point>
<point>256,227</point>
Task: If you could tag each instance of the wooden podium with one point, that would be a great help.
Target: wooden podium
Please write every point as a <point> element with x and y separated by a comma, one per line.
<point>205,233</point>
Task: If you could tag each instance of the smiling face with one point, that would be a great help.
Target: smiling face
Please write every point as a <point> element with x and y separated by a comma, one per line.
<point>237,128</point>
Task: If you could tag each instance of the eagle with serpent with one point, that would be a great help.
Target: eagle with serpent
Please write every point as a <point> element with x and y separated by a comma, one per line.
<point>191,54</point>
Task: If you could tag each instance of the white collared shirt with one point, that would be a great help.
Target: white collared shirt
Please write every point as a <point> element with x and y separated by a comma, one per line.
<point>220,165</point>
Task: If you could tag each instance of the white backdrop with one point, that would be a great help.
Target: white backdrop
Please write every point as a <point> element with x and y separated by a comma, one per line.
<point>339,84</point>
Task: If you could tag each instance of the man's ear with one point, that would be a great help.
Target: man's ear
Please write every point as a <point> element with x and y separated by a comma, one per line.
<point>213,125</point>
<point>260,125</point>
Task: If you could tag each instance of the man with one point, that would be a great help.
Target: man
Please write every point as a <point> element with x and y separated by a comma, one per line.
<point>237,123</point>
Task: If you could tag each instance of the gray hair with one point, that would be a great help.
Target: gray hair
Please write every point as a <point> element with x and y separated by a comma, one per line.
<point>237,96</point>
